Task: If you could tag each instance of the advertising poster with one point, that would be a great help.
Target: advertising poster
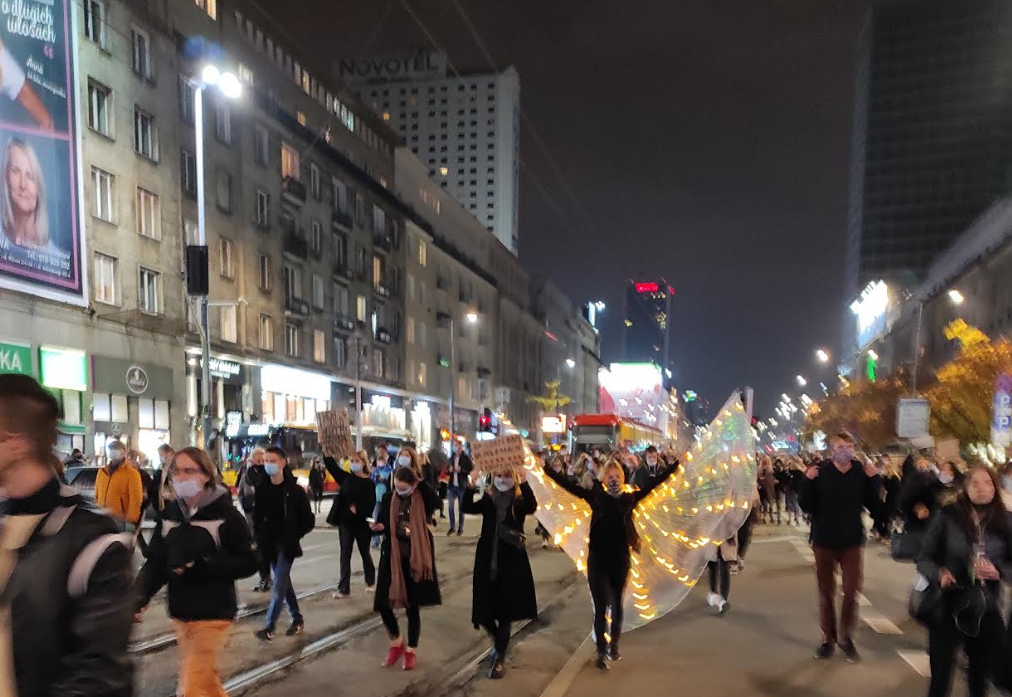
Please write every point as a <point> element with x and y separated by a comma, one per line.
<point>40,240</point>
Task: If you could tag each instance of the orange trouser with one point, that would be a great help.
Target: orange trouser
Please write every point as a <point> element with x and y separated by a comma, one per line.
<point>200,642</point>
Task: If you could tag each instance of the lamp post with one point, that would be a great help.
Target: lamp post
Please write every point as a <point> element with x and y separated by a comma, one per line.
<point>231,88</point>
<point>472,318</point>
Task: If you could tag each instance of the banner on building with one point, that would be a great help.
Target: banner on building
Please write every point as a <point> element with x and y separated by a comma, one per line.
<point>41,245</point>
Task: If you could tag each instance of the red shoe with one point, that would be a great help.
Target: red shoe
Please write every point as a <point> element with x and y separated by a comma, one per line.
<point>409,660</point>
<point>393,655</point>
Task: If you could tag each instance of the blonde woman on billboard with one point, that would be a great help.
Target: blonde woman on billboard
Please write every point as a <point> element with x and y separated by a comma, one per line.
<point>23,198</point>
<point>14,85</point>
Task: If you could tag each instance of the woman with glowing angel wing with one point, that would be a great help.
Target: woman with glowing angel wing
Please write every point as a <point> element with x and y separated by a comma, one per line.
<point>677,524</point>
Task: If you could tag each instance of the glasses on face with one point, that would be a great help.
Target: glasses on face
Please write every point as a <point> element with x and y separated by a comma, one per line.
<point>186,471</point>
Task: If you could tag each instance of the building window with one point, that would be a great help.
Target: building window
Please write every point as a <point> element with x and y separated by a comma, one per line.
<point>263,208</point>
<point>410,331</point>
<point>94,21</point>
<point>149,214</point>
<point>377,272</point>
<point>149,292</point>
<point>422,253</point>
<point>105,279</point>
<point>223,123</point>
<point>293,283</point>
<point>421,334</point>
<point>265,273</point>
<point>229,324</point>
<point>141,53</point>
<point>422,377</point>
<point>359,209</point>
<point>379,224</point>
<point>261,145</point>
<point>208,6</point>
<point>340,352</point>
<point>145,134</point>
<point>191,233</point>
<point>266,333</point>
<point>226,252</point>
<point>314,181</point>
<point>340,301</point>
<point>319,346</point>
<point>360,308</point>
<point>102,182</point>
<point>187,96</point>
<point>187,173</point>
<point>99,108</point>
<point>223,191</point>
<point>378,363</point>
<point>316,236</point>
<point>319,299</point>
<point>395,368</point>
<point>360,261</point>
<point>339,193</point>
<point>340,250</point>
<point>291,340</point>
<point>289,162</point>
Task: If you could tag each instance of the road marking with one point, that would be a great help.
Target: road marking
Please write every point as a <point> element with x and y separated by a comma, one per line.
<point>863,601</point>
<point>782,538</point>
<point>563,680</point>
<point>918,660</point>
<point>881,625</point>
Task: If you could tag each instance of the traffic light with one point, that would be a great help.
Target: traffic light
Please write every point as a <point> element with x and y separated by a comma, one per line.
<point>485,421</point>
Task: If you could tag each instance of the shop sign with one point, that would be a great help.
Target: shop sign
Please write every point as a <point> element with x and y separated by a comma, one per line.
<point>912,418</point>
<point>63,369</point>
<point>1001,422</point>
<point>224,370</point>
<point>292,381</point>
<point>553,424</point>
<point>15,358</point>
<point>137,380</point>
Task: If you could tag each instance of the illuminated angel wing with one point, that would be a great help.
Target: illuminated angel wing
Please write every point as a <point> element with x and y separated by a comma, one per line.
<point>680,524</point>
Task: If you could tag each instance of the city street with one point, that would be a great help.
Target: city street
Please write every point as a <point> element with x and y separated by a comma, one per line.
<point>763,646</point>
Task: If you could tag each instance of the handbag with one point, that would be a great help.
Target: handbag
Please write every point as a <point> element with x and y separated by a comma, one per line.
<point>510,536</point>
<point>927,601</point>
<point>905,545</point>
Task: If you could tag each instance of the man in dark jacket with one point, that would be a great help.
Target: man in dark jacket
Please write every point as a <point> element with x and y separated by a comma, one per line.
<point>835,494</point>
<point>653,471</point>
<point>282,517</point>
<point>62,564</point>
<point>459,468</point>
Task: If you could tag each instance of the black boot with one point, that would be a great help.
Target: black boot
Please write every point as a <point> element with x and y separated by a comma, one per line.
<point>602,662</point>
<point>498,668</point>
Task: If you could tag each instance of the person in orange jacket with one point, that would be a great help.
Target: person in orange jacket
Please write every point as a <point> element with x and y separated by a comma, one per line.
<point>118,488</point>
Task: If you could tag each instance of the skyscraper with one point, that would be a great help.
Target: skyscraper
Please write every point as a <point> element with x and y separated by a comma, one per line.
<point>931,143</point>
<point>466,128</point>
<point>645,335</point>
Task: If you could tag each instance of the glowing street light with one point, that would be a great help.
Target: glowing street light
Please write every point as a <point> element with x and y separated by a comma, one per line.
<point>822,355</point>
<point>956,297</point>
<point>471,317</point>
<point>801,381</point>
<point>872,355</point>
<point>570,363</point>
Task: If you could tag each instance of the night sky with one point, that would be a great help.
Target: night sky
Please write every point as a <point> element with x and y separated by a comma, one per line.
<point>706,141</point>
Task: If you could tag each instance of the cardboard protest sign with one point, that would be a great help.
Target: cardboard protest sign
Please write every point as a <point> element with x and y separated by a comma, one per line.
<point>504,453</point>
<point>334,433</point>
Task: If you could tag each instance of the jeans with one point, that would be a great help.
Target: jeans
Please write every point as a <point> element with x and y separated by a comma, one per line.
<point>455,495</point>
<point>607,584</point>
<point>199,644</point>
<point>414,624</point>
<point>350,536</point>
<point>850,561</point>
<point>944,639</point>
<point>283,592</point>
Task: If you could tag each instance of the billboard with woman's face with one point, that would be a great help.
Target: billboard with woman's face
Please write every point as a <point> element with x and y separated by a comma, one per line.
<point>41,245</point>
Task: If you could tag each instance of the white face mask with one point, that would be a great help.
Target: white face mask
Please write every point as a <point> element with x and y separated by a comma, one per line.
<point>404,461</point>
<point>405,492</point>
<point>116,456</point>
<point>356,467</point>
<point>188,489</point>
<point>652,461</point>
<point>504,483</point>
<point>945,478</point>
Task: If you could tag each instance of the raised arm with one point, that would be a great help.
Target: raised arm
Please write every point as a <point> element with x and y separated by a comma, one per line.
<point>335,470</point>
<point>529,504</point>
<point>469,504</point>
<point>564,482</point>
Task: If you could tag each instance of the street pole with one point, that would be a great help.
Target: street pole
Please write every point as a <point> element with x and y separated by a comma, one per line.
<point>917,343</point>
<point>205,335</point>
<point>453,380</point>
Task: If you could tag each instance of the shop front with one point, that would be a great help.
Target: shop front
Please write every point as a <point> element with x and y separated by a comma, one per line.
<point>64,372</point>
<point>131,403</point>
<point>230,394</point>
<point>290,399</point>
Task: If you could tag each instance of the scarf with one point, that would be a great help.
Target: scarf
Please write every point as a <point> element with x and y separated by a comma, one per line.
<point>420,559</point>
<point>502,502</point>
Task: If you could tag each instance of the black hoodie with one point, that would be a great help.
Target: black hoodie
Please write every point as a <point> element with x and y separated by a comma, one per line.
<point>216,540</point>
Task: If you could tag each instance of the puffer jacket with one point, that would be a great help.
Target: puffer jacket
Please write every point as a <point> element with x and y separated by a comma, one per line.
<point>216,540</point>
<point>282,534</point>
<point>69,599</point>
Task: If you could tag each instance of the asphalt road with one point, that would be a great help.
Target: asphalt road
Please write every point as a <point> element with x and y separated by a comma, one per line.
<point>763,646</point>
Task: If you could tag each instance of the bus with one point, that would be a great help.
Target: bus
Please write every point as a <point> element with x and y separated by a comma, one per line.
<point>610,432</point>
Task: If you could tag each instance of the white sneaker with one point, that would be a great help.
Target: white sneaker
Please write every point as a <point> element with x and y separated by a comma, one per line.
<point>712,599</point>
<point>722,607</point>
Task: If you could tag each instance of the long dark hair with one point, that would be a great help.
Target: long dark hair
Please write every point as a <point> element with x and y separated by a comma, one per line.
<point>994,513</point>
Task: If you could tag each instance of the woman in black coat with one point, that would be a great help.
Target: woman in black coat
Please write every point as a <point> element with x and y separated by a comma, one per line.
<point>410,581</point>
<point>350,514</point>
<point>503,581</point>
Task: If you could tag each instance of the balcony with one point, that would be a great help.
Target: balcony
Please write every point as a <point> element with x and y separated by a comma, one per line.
<point>381,290</point>
<point>293,190</point>
<point>342,221</point>
<point>296,306</point>
<point>442,283</point>
<point>344,324</point>
<point>295,245</point>
<point>383,336</point>
<point>343,271</point>
<point>483,372</point>
<point>382,242</point>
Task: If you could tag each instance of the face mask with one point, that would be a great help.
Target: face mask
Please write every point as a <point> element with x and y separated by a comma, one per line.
<point>356,467</point>
<point>504,483</point>
<point>652,461</point>
<point>271,470</point>
<point>116,456</point>
<point>843,455</point>
<point>187,489</point>
<point>945,478</point>
<point>404,493</point>
<point>404,461</point>
<point>614,488</point>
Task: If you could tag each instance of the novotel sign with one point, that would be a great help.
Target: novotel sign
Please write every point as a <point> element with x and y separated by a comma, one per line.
<point>392,68</point>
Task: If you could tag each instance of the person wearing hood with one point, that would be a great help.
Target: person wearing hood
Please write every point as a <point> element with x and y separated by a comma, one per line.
<point>612,535</point>
<point>968,553</point>
<point>76,459</point>
<point>119,488</point>
<point>200,547</point>
<point>350,514</point>
<point>407,576</point>
<point>281,518</point>
<point>503,584</point>
<point>918,497</point>
<point>652,470</point>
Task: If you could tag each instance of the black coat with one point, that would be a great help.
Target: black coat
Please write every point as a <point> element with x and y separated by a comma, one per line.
<point>642,479</point>
<point>356,491</point>
<point>217,541</point>
<point>282,535</point>
<point>511,595</point>
<point>918,488</point>
<point>420,594</point>
<point>466,466</point>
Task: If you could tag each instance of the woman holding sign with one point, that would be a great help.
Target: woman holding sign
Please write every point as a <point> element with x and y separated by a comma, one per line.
<point>503,581</point>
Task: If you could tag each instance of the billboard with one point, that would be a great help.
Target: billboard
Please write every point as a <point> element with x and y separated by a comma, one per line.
<point>41,245</point>
<point>871,312</point>
<point>632,390</point>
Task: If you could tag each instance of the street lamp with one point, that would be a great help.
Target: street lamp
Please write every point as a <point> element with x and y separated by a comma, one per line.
<point>230,87</point>
<point>801,381</point>
<point>570,363</point>
<point>956,297</point>
<point>471,318</point>
<point>872,355</point>
<point>822,355</point>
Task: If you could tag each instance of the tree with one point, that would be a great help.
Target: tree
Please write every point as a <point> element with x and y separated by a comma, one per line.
<point>865,409</point>
<point>962,396</point>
